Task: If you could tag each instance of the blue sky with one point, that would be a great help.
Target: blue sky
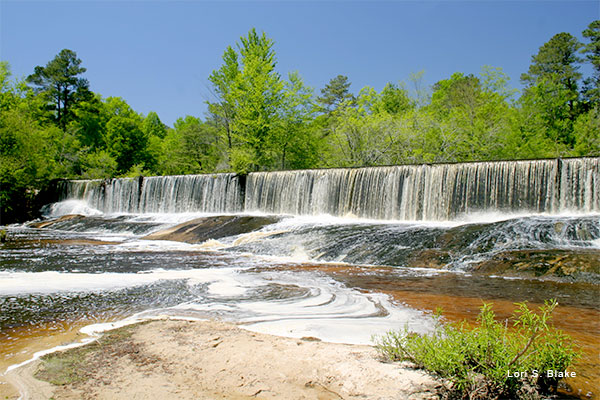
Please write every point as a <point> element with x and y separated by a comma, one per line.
<point>157,55</point>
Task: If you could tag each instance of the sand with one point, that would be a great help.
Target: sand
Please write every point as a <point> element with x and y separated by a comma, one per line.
<point>173,359</point>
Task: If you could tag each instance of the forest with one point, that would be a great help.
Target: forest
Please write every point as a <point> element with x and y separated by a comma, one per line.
<point>52,126</point>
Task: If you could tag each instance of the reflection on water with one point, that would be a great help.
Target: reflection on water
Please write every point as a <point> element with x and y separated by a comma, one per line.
<point>287,277</point>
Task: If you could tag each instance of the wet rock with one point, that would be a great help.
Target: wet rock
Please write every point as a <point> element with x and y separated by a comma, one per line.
<point>429,258</point>
<point>201,229</point>
<point>563,265</point>
<point>49,223</point>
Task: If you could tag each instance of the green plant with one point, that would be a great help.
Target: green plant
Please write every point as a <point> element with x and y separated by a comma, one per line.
<point>491,359</point>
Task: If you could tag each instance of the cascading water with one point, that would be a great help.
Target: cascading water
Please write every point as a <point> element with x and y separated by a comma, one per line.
<point>159,194</point>
<point>430,192</point>
<point>412,192</point>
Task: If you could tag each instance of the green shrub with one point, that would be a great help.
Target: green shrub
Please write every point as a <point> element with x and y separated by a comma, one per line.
<point>491,359</point>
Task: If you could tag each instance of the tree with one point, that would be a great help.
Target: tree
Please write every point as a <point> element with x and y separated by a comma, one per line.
<point>393,100</point>
<point>225,82</point>
<point>297,146</point>
<point>125,139</point>
<point>250,93</point>
<point>89,123</point>
<point>556,59</point>
<point>551,94</point>
<point>60,81</point>
<point>587,134</point>
<point>591,90</point>
<point>27,148</point>
<point>153,126</point>
<point>191,147</point>
<point>335,93</point>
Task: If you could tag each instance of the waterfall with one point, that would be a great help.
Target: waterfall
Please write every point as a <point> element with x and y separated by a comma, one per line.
<point>188,193</point>
<point>406,192</point>
<point>159,194</point>
<point>430,192</point>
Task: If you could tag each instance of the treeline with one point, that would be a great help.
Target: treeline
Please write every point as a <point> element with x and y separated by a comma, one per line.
<point>53,126</point>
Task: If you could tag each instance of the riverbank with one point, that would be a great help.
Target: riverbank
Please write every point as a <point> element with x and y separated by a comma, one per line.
<point>172,359</point>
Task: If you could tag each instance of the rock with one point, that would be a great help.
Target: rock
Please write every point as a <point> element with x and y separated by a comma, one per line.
<point>49,223</point>
<point>202,229</point>
<point>563,265</point>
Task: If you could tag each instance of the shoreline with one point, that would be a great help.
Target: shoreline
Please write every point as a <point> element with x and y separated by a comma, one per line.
<point>170,358</point>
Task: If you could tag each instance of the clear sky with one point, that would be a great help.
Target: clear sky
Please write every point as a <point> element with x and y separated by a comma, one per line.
<point>157,55</point>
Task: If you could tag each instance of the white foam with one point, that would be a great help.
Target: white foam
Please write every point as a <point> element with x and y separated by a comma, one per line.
<point>19,283</point>
<point>67,207</point>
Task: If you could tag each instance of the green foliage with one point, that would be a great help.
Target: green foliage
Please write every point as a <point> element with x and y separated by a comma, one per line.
<point>482,361</point>
<point>591,90</point>
<point>98,165</point>
<point>125,138</point>
<point>556,59</point>
<point>152,126</point>
<point>393,100</point>
<point>587,133</point>
<point>60,81</point>
<point>249,93</point>
<point>335,93</point>
<point>192,147</point>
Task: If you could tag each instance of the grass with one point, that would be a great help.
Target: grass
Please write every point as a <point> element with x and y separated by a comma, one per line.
<point>75,365</point>
<point>490,360</point>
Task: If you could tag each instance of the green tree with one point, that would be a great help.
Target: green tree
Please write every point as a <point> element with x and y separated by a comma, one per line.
<point>153,126</point>
<point>335,93</point>
<point>554,73</point>
<point>89,123</point>
<point>125,138</point>
<point>250,94</point>
<point>98,165</point>
<point>61,83</point>
<point>556,59</point>
<point>393,100</point>
<point>27,148</point>
<point>587,133</point>
<point>591,90</point>
<point>225,82</point>
<point>297,145</point>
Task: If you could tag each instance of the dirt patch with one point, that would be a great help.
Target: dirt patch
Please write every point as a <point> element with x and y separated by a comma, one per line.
<point>213,360</point>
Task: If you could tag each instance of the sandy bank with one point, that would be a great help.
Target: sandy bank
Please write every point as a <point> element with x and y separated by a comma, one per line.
<point>212,360</point>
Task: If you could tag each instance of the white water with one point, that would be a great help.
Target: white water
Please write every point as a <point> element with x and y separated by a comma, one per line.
<point>439,192</point>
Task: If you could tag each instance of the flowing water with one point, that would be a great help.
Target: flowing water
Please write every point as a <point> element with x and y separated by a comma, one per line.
<point>343,255</point>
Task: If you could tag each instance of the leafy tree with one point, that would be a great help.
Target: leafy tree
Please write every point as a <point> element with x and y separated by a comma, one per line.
<point>335,93</point>
<point>60,81</point>
<point>556,59</point>
<point>27,148</point>
<point>591,50</point>
<point>552,89</point>
<point>393,100</point>
<point>153,126</point>
<point>225,82</point>
<point>297,145</point>
<point>89,123</point>
<point>587,134</point>
<point>546,112</point>
<point>250,93</point>
<point>98,165</point>
<point>125,138</point>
